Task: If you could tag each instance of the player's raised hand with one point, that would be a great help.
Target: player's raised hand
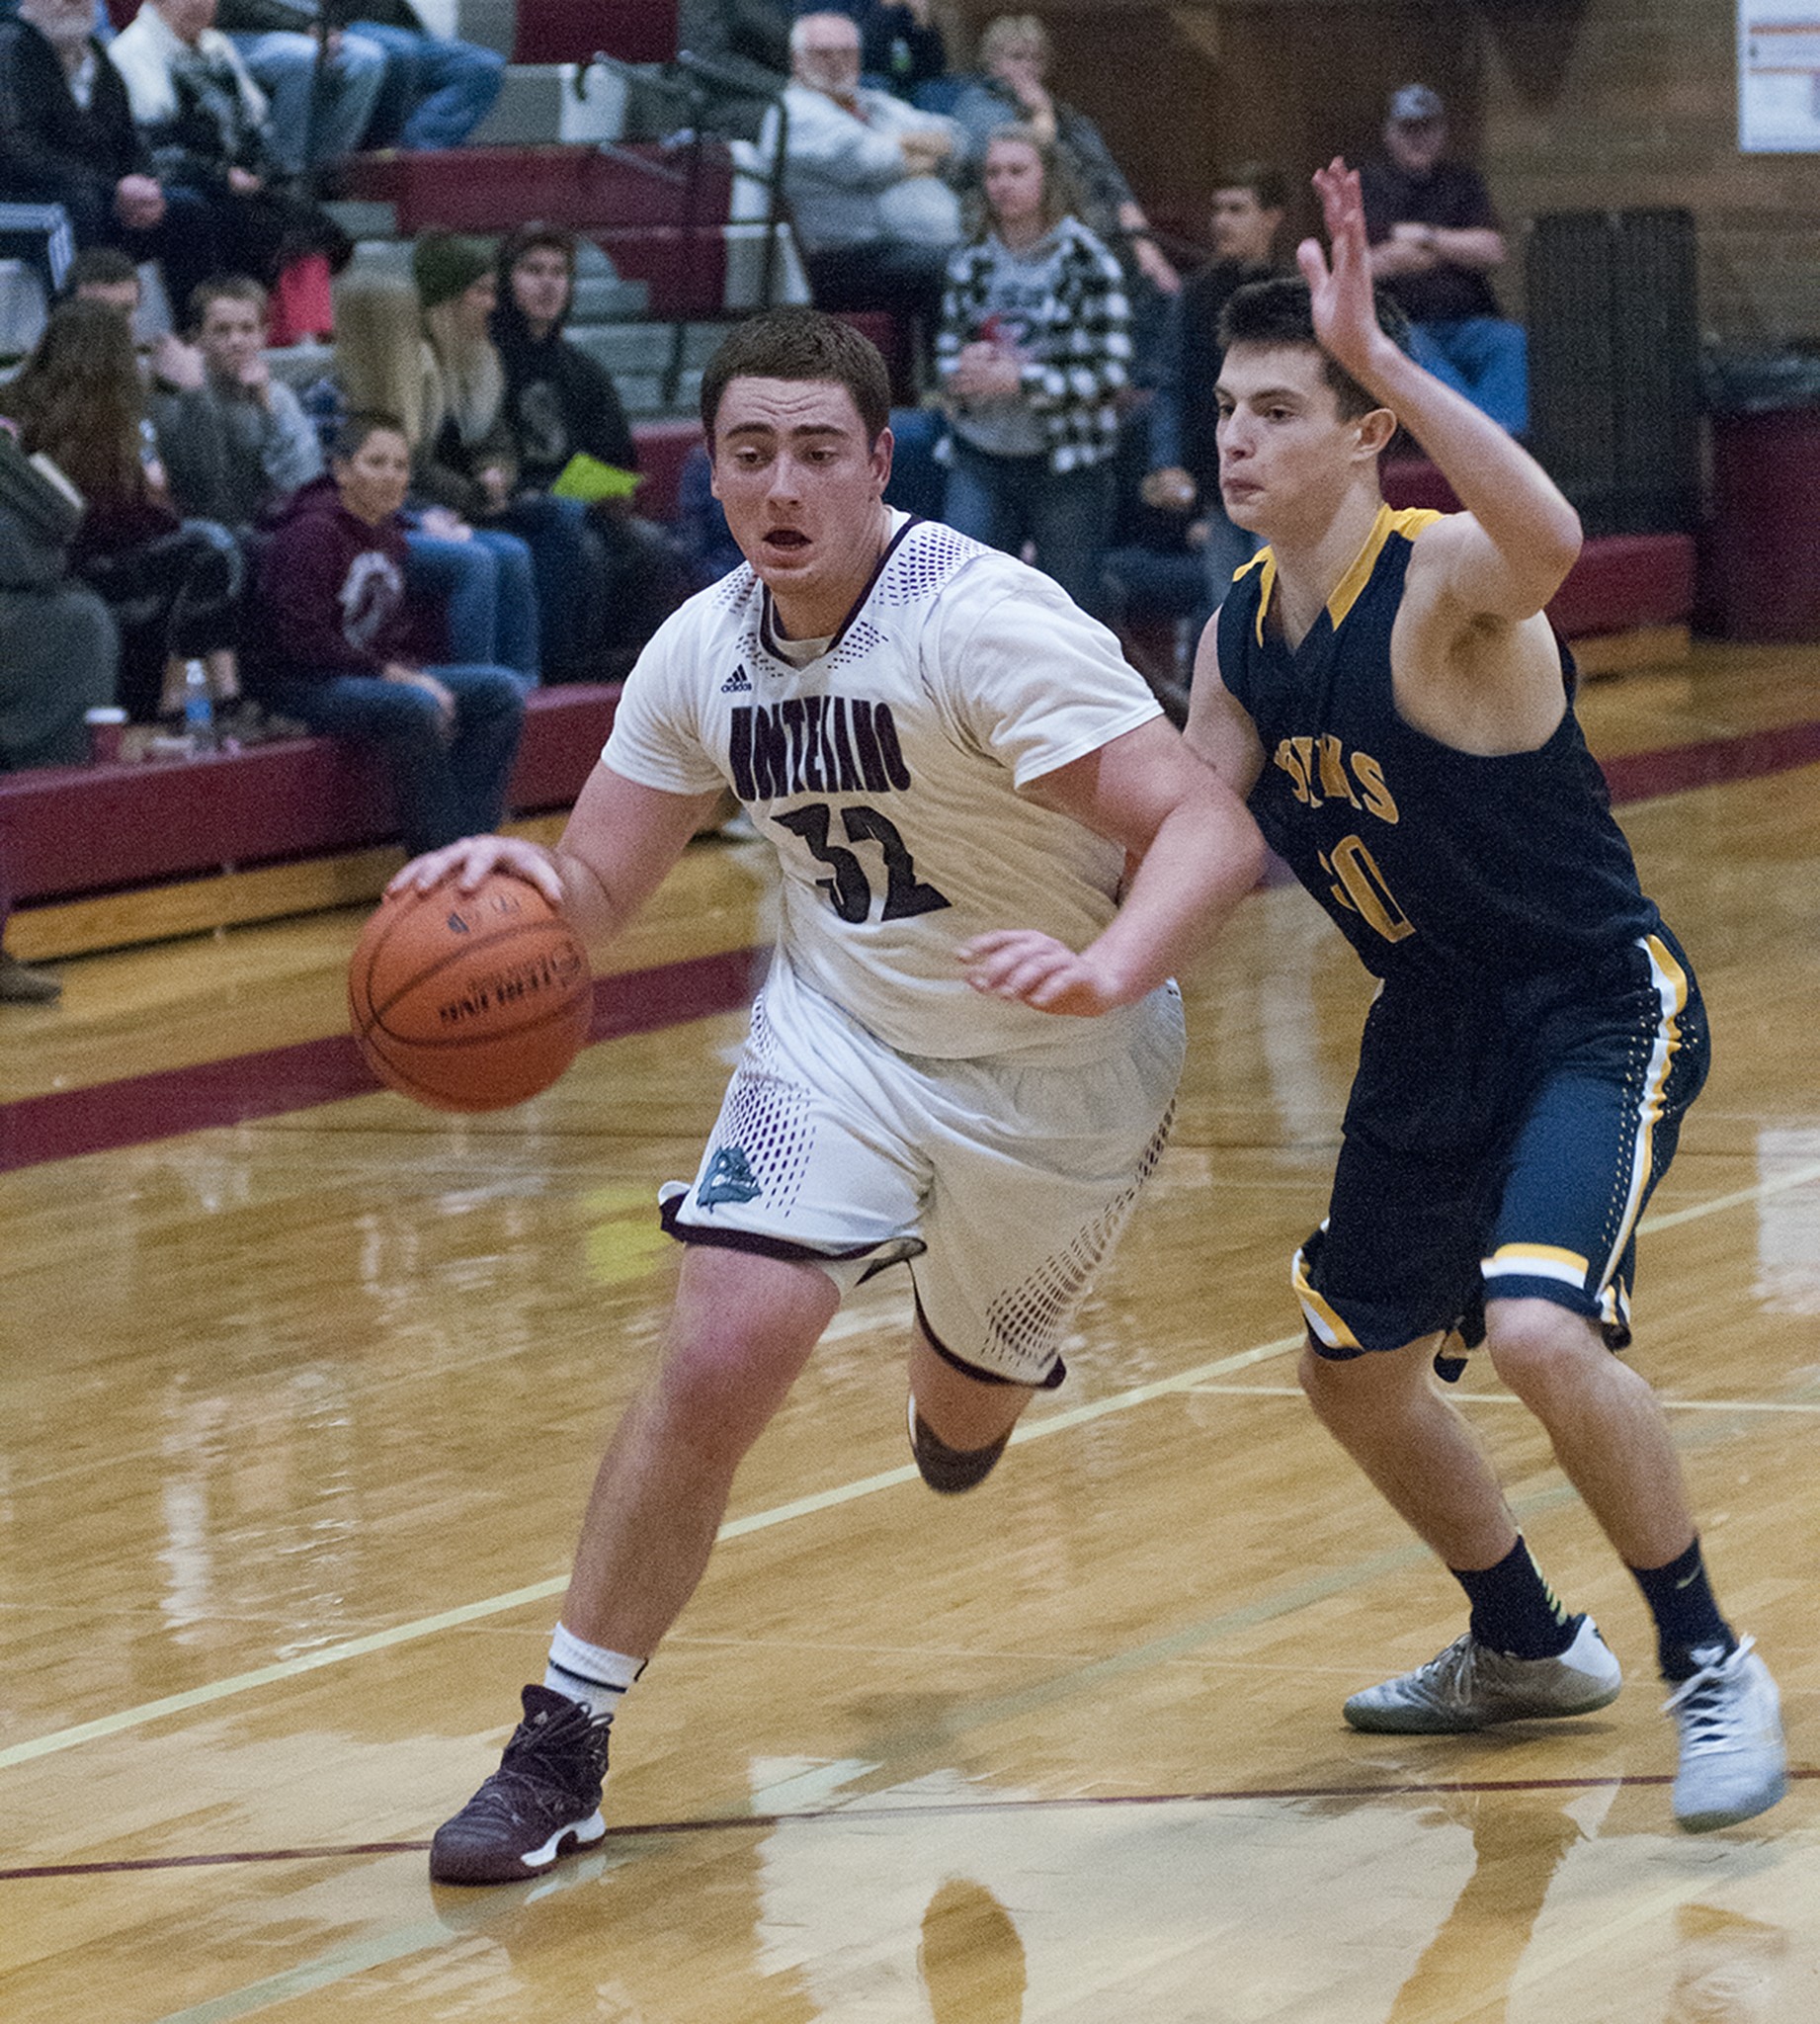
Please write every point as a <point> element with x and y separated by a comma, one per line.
<point>1023,963</point>
<point>1340,281</point>
<point>473,857</point>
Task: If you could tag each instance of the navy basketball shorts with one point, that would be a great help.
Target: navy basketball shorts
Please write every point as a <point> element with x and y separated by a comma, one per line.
<point>1003,1182</point>
<point>1504,1147</point>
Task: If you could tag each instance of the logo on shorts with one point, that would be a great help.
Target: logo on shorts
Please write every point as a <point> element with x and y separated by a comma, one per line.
<point>738,683</point>
<point>728,1178</point>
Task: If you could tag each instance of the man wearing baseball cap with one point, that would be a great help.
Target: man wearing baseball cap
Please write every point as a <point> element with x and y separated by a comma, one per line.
<point>1434,239</point>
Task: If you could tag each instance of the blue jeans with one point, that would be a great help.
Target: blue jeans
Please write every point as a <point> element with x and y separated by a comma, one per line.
<point>444,787</point>
<point>486,591</point>
<point>1484,358</point>
<point>436,90</point>
<point>1006,501</point>
<point>314,118</point>
<point>567,564</point>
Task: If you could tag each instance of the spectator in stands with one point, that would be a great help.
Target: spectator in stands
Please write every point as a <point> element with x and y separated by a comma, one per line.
<point>701,520</point>
<point>348,654</point>
<point>172,584</point>
<point>561,404</point>
<point>481,577</point>
<point>468,461</point>
<point>437,88</point>
<point>1183,477</point>
<point>1033,351</point>
<point>205,123</point>
<point>59,653</point>
<point>104,274</point>
<point>19,985</point>
<point>864,175</point>
<point>1434,239</point>
<point>901,43</point>
<point>1015,52</point>
<point>322,85</point>
<point>66,137</point>
<point>237,443</point>
<point>747,43</point>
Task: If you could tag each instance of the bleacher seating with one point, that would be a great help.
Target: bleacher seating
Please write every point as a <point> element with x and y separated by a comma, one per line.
<point>1628,599</point>
<point>307,822</point>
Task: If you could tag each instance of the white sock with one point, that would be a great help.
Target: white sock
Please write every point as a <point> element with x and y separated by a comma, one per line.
<point>589,1673</point>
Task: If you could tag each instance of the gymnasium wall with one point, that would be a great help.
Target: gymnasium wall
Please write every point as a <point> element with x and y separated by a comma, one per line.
<point>1564,104</point>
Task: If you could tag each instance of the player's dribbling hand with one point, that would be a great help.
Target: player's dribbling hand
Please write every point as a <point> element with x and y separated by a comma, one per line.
<point>469,861</point>
<point>1037,970</point>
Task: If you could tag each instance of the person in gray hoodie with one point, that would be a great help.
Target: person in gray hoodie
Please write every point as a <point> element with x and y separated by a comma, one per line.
<point>236,442</point>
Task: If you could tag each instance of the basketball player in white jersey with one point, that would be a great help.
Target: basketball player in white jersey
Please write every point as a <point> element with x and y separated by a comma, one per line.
<point>994,854</point>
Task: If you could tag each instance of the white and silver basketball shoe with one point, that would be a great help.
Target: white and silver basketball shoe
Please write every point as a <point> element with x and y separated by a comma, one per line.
<point>1734,1763</point>
<point>1470,1686</point>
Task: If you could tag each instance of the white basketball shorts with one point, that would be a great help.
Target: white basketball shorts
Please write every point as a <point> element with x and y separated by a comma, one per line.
<point>1004,1184</point>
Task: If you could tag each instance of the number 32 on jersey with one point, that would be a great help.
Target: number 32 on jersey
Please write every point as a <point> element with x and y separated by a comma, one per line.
<point>849,884</point>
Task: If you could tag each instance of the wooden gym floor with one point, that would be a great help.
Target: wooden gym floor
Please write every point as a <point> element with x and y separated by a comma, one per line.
<point>302,1391</point>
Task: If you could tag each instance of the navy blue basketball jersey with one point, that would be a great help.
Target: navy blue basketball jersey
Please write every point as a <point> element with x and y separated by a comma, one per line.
<point>1435,864</point>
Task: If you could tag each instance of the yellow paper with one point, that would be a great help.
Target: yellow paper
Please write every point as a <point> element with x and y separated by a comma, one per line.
<point>587,477</point>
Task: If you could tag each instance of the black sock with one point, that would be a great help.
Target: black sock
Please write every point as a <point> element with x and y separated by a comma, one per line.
<point>1687,1619</point>
<point>1514,1610</point>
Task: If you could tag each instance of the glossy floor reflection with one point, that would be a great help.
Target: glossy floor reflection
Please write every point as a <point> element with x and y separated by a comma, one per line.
<point>297,1415</point>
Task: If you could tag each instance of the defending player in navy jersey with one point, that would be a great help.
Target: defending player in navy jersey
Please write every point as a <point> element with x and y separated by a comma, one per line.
<point>966,1050</point>
<point>1386,691</point>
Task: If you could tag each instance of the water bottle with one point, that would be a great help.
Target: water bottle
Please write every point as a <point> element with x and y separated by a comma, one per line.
<point>198,709</point>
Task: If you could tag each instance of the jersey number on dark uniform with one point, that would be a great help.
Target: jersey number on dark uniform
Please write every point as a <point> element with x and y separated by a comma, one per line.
<point>1360,885</point>
<point>849,890</point>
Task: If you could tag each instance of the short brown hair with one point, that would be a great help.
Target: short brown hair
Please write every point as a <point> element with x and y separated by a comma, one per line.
<point>226,288</point>
<point>800,344</point>
<point>1278,313</point>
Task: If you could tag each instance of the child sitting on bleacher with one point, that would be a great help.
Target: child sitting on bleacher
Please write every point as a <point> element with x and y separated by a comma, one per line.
<point>345,652</point>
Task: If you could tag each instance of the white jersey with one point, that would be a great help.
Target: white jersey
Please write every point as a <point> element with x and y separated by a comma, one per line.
<point>885,772</point>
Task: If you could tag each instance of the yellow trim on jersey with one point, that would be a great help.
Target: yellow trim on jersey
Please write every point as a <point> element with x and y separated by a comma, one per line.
<point>1265,561</point>
<point>1321,1318</point>
<point>1409,522</point>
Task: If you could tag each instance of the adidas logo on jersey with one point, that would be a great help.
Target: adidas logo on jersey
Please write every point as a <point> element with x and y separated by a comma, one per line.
<point>738,683</point>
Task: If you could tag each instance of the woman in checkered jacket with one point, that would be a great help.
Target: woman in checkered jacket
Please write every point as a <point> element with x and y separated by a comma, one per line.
<point>1034,349</point>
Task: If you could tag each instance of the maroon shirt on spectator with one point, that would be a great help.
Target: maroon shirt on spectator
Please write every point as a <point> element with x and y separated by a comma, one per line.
<point>1451,197</point>
<point>332,597</point>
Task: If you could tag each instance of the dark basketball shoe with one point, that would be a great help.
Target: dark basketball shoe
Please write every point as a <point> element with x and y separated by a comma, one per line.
<point>951,1471</point>
<point>543,1803</point>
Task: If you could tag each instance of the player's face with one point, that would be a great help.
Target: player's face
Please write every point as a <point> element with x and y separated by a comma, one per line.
<point>232,333</point>
<point>803,491</point>
<point>1240,227</point>
<point>1285,454</point>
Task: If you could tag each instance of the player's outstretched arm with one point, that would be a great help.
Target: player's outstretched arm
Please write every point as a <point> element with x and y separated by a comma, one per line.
<point>1509,557</point>
<point>1198,853</point>
<point>620,844</point>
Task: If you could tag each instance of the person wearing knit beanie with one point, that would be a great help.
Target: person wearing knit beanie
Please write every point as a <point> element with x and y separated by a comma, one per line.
<point>446,264</point>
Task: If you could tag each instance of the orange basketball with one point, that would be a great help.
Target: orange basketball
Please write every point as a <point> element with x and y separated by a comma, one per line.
<point>469,1001</point>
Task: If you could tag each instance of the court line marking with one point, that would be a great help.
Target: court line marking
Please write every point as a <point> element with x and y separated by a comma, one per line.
<point>1184,1382</point>
<point>729,1824</point>
<point>1216,1390</point>
<point>541,1591</point>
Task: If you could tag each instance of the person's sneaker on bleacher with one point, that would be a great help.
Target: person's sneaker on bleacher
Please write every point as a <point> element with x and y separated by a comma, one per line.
<point>1470,1686</point>
<point>1734,1763</point>
<point>22,986</point>
<point>541,1803</point>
